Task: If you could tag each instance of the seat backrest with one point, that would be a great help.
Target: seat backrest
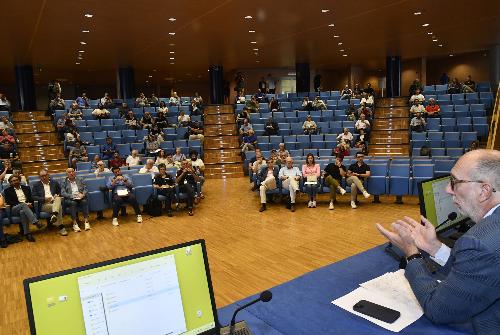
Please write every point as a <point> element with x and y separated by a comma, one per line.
<point>399,170</point>
<point>423,170</point>
<point>142,179</point>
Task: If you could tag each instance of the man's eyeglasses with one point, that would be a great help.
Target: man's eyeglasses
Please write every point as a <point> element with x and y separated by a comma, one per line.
<point>454,181</point>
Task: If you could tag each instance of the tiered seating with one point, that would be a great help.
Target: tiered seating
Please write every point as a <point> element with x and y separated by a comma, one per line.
<point>452,143</point>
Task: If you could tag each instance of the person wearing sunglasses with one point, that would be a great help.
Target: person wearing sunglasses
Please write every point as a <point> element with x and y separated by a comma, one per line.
<point>470,291</point>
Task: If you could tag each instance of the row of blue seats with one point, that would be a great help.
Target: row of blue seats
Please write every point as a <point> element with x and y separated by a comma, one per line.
<point>126,148</point>
<point>298,104</point>
<point>445,99</point>
<point>130,135</point>
<point>117,124</point>
<point>292,129</point>
<point>480,87</point>
<point>463,124</point>
<point>185,101</point>
<point>451,137</point>
<point>452,152</point>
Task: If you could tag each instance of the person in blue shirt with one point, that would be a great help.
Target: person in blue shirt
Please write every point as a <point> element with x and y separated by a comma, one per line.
<point>83,101</point>
<point>108,149</point>
<point>121,193</point>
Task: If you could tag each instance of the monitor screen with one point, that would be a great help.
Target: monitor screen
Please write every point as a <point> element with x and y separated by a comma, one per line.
<point>437,205</point>
<point>164,291</point>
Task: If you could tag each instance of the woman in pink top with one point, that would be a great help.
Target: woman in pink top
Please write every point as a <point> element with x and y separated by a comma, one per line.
<point>311,173</point>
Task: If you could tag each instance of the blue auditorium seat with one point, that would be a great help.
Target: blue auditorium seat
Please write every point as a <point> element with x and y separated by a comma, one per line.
<point>435,138</point>
<point>454,152</point>
<point>377,182</point>
<point>421,172</point>
<point>399,179</point>
<point>443,167</point>
<point>452,139</point>
<point>97,199</point>
<point>143,187</point>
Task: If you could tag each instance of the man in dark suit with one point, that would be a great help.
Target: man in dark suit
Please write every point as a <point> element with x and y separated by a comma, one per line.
<point>48,194</point>
<point>19,198</point>
<point>268,177</point>
<point>271,127</point>
<point>470,291</point>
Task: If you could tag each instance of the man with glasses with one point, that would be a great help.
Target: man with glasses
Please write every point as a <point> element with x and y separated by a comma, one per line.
<point>74,192</point>
<point>19,198</point>
<point>470,292</point>
<point>48,194</point>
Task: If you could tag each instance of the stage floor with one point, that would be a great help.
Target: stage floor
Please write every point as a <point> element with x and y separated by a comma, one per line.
<point>248,251</point>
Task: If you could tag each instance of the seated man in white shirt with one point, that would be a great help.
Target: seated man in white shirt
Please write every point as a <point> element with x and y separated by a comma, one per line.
<point>133,159</point>
<point>150,168</point>
<point>345,137</point>
<point>417,96</point>
<point>101,168</point>
<point>362,123</point>
<point>290,175</point>
<point>74,192</point>
<point>417,108</point>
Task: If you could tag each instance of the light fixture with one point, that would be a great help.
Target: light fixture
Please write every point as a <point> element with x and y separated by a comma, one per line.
<point>248,17</point>
<point>172,44</point>
<point>251,31</point>
<point>172,58</point>
<point>253,42</point>
<point>255,49</point>
<point>85,31</point>
<point>150,76</point>
<point>331,25</point>
<point>325,10</point>
<point>417,13</point>
<point>81,51</point>
<point>434,40</point>
<point>430,33</point>
<point>147,81</point>
<point>83,43</point>
<point>77,63</point>
<point>440,45</point>
<point>336,36</point>
<point>344,55</point>
<point>171,34</point>
<point>172,19</point>
<point>257,61</point>
<point>172,52</point>
<point>88,15</point>
<point>451,55</point>
<point>425,25</point>
<point>340,43</point>
<point>341,50</point>
<point>172,63</point>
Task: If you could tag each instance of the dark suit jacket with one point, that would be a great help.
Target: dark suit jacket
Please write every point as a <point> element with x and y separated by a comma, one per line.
<point>262,175</point>
<point>39,192</point>
<point>11,196</point>
<point>471,290</point>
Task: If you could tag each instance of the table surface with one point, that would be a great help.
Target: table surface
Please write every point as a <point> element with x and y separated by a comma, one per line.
<point>303,305</point>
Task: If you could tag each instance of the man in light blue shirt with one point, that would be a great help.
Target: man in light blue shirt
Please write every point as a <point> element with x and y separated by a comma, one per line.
<point>290,176</point>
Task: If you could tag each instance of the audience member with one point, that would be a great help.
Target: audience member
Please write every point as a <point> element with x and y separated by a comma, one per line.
<point>154,101</point>
<point>267,178</point>
<point>195,131</point>
<point>417,96</point>
<point>416,85</point>
<point>47,193</point>
<point>171,163</point>
<point>162,108</point>
<point>290,176</point>
<point>271,127</point>
<point>345,137</point>
<point>57,103</point>
<point>78,154</point>
<point>369,89</point>
<point>357,91</point>
<point>333,174</point>
<point>108,149</point>
<point>174,99</point>
<point>150,168</point>
<point>274,105</point>
<point>147,121</point>
<point>100,112</point>
<point>116,161</point>
<point>362,123</point>
<point>346,93</point>
<point>357,173</point>
<point>417,108</point>
<point>121,190</point>
<point>187,180</point>
<point>367,100</point>
<point>152,145</point>
<point>106,101</point>
<point>82,101</point>
<point>75,113</point>
<point>199,169</point>
<point>242,115</point>
<point>161,158</point>
<point>183,119</point>
<point>311,173</point>
<point>307,105</point>
<point>454,87</point>
<point>100,169</point>
<point>253,105</point>
<point>363,109</point>
<point>123,110</point>
<point>141,100</point>
<point>131,121</point>
<point>432,109</point>
<point>309,126</point>
<point>469,85</point>
<point>4,103</point>
<point>418,123</point>
<point>342,149</point>
<point>282,153</point>
<point>245,128</point>
<point>19,198</point>
<point>164,184</point>
<point>161,120</point>
<point>249,141</point>
<point>319,104</point>
<point>74,192</point>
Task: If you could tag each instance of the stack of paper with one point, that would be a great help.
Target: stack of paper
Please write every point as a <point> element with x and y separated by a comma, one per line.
<point>390,290</point>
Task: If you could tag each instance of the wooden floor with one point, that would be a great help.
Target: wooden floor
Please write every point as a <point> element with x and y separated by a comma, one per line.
<point>248,251</point>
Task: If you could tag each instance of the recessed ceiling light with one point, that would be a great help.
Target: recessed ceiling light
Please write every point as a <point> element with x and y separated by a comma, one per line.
<point>150,76</point>
<point>85,31</point>
<point>172,52</point>
<point>154,70</point>
<point>171,34</point>
<point>147,81</point>
<point>336,36</point>
<point>88,15</point>
<point>81,51</point>
<point>340,43</point>
<point>254,42</point>
<point>430,33</point>
<point>256,53</point>
<point>172,58</point>
<point>341,50</point>
<point>172,19</point>
<point>251,31</point>
<point>344,55</point>
<point>451,55</point>
<point>255,49</point>
<point>434,40</point>
<point>325,10</point>
<point>248,17</point>
<point>172,63</point>
<point>257,61</point>
<point>417,13</point>
<point>77,63</point>
<point>425,25</point>
<point>331,25</point>
<point>172,44</point>
<point>440,45</point>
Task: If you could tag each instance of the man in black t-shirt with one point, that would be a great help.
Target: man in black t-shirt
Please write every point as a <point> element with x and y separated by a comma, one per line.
<point>333,174</point>
<point>165,186</point>
<point>357,173</point>
<point>187,179</point>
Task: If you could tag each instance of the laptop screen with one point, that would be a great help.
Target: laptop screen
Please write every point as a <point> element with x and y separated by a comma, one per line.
<point>164,291</point>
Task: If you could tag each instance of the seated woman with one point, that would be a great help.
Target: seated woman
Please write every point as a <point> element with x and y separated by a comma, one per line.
<point>311,173</point>
<point>147,121</point>
<point>161,120</point>
<point>162,108</point>
<point>141,101</point>
<point>342,149</point>
<point>164,184</point>
<point>100,112</point>
<point>161,158</point>
<point>319,104</point>
<point>253,105</point>
<point>75,113</point>
<point>183,119</point>
<point>333,174</point>
<point>152,145</point>
<point>309,126</point>
<point>78,154</point>
<point>432,109</point>
<point>242,115</point>
<point>346,93</point>
<point>131,121</point>
<point>174,99</point>
<point>274,105</point>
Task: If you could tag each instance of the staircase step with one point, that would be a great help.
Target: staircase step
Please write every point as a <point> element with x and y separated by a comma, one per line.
<point>35,153</point>
<point>223,129</point>
<point>391,112</point>
<point>224,170</point>
<point>389,150</point>
<point>32,168</point>
<point>222,156</point>
<point>219,142</point>
<point>38,139</point>
<point>219,119</point>
<point>33,126</point>
<point>218,109</point>
<point>392,102</point>
<point>30,116</point>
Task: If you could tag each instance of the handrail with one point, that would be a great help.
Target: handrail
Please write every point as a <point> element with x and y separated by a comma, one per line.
<point>494,123</point>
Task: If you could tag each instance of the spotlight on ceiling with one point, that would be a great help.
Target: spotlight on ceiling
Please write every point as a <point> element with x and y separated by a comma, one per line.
<point>325,10</point>
<point>417,13</point>
<point>425,25</point>
<point>172,19</point>
<point>248,17</point>
<point>88,15</point>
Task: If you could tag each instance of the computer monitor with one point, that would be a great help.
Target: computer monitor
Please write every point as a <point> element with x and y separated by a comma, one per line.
<point>164,291</point>
<point>437,205</point>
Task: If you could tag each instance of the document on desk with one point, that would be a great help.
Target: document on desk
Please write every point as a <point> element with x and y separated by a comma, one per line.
<point>390,290</point>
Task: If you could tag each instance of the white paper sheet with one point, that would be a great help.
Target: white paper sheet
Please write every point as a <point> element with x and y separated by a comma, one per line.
<point>390,290</point>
